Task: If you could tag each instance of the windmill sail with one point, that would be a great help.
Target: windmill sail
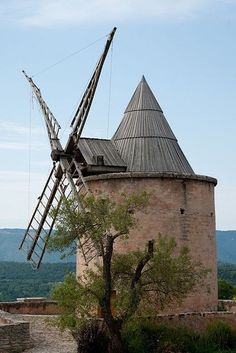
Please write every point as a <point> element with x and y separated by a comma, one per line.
<point>82,111</point>
<point>41,223</point>
<point>51,122</point>
<point>60,182</point>
<point>43,219</point>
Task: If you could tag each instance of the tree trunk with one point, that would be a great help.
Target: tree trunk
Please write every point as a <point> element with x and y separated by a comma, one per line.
<point>116,344</point>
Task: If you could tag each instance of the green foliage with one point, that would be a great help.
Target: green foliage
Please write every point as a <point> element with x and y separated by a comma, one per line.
<point>100,217</point>
<point>227,272</point>
<point>225,290</point>
<point>141,279</point>
<point>92,337</point>
<point>147,337</point>
<point>77,302</point>
<point>20,280</point>
<point>168,276</point>
<point>221,334</point>
<point>142,336</point>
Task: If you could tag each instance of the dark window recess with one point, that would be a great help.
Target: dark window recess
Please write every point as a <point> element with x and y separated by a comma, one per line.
<point>100,160</point>
<point>182,210</point>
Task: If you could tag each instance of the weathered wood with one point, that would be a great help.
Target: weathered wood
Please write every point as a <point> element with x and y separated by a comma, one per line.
<point>42,222</point>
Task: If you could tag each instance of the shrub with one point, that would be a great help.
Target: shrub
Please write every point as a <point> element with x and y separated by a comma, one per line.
<point>142,336</point>
<point>221,334</point>
<point>225,290</point>
<point>181,338</point>
<point>91,338</point>
<point>146,337</point>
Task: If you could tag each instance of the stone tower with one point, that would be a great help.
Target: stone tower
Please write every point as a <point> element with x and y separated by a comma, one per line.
<point>144,155</point>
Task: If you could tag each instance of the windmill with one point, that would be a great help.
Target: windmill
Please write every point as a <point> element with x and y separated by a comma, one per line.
<point>65,178</point>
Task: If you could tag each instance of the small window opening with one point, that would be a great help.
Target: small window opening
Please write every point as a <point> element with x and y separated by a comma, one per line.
<point>182,210</point>
<point>100,160</point>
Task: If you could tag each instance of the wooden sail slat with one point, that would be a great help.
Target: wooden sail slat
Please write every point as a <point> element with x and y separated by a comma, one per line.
<point>42,222</point>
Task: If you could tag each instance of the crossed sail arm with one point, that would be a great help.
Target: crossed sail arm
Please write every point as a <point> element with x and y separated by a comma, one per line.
<point>41,223</point>
<point>82,111</point>
<point>61,179</point>
<point>51,122</point>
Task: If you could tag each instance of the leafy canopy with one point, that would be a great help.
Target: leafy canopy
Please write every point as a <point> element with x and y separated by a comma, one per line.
<point>100,218</point>
<point>142,280</point>
<point>226,290</point>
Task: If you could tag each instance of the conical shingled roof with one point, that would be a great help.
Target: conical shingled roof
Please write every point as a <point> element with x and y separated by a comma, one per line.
<point>144,138</point>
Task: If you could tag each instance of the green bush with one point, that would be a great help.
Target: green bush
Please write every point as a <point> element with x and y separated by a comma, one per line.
<point>146,337</point>
<point>225,290</point>
<point>180,339</point>
<point>91,338</point>
<point>221,334</point>
<point>142,336</point>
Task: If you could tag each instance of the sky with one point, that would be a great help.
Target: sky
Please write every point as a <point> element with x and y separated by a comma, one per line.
<point>185,48</point>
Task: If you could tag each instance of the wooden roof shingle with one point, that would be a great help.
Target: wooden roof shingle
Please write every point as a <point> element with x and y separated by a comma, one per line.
<point>144,138</point>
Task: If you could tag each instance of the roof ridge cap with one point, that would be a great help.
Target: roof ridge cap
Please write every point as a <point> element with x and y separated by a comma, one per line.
<point>94,138</point>
<point>144,109</point>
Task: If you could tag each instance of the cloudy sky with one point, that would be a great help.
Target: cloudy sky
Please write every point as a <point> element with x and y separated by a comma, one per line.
<point>185,48</point>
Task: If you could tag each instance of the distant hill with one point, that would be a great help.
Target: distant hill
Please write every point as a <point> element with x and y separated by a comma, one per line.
<point>10,240</point>
<point>226,246</point>
<point>20,280</point>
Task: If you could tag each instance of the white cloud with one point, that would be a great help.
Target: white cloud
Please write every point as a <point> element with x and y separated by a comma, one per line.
<point>16,137</point>
<point>20,146</point>
<point>76,12</point>
<point>13,128</point>
<point>13,146</point>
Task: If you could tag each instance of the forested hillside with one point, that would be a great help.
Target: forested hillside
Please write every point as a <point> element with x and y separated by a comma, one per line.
<point>227,272</point>
<point>20,280</point>
<point>10,240</point>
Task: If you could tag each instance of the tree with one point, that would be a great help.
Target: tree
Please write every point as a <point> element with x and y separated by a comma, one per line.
<point>141,279</point>
<point>225,290</point>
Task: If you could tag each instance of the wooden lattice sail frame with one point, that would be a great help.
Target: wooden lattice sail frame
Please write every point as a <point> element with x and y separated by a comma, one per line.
<point>65,175</point>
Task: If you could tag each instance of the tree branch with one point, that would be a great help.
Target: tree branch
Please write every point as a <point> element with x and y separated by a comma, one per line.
<point>142,263</point>
<point>119,234</point>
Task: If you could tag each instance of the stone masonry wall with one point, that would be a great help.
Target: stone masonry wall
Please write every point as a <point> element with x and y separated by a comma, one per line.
<point>197,321</point>
<point>14,336</point>
<point>31,308</point>
<point>227,305</point>
<point>181,207</point>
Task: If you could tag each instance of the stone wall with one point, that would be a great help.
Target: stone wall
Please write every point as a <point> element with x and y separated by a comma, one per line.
<point>180,206</point>
<point>14,335</point>
<point>31,307</point>
<point>227,305</point>
<point>197,321</point>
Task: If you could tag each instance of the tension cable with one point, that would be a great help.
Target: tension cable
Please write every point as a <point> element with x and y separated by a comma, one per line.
<point>68,57</point>
<point>31,97</point>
